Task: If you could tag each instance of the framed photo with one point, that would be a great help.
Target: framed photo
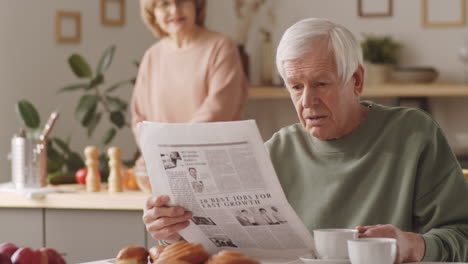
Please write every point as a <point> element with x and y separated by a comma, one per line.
<point>113,12</point>
<point>375,8</point>
<point>443,13</point>
<point>67,27</point>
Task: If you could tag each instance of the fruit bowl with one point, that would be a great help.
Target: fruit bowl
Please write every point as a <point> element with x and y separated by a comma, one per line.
<point>142,178</point>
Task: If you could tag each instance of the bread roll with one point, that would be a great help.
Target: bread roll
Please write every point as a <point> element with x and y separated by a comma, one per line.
<point>173,262</point>
<point>132,255</point>
<point>183,251</point>
<point>230,257</point>
<point>155,252</point>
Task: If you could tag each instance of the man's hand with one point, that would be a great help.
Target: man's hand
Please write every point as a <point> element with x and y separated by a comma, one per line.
<point>164,222</point>
<point>411,246</point>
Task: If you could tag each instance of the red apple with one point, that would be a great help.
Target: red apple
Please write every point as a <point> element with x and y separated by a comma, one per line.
<point>5,259</point>
<point>29,256</point>
<point>54,256</point>
<point>8,249</point>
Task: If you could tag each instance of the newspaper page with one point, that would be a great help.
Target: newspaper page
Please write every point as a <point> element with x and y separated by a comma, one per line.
<point>222,173</point>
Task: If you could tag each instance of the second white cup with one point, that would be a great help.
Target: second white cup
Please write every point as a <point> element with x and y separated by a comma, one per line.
<point>332,243</point>
<point>372,250</point>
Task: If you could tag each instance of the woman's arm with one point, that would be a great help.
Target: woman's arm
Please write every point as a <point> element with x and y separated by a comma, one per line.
<point>227,89</point>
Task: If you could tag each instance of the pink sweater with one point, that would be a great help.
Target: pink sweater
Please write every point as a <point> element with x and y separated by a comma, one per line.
<point>203,83</point>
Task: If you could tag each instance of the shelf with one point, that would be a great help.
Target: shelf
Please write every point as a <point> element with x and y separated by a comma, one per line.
<point>382,90</point>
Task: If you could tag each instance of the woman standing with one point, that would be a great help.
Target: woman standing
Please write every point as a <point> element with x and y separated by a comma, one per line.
<point>191,74</point>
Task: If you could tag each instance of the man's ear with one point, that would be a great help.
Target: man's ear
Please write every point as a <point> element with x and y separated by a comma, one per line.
<point>358,78</point>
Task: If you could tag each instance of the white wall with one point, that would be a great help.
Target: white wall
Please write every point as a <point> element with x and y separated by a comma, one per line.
<point>33,65</point>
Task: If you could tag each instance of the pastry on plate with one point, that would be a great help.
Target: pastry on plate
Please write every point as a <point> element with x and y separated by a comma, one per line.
<point>230,257</point>
<point>183,251</point>
<point>132,255</point>
<point>155,251</point>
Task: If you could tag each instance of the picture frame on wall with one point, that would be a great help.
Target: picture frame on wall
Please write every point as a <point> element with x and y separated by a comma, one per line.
<point>443,13</point>
<point>113,12</point>
<point>375,8</point>
<point>67,26</point>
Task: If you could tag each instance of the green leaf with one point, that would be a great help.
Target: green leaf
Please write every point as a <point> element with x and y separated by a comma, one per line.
<point>62,145</point>
<point>117,103</point>
<point>93,123</point>
<point>104,166</point>
<point>54,165</point>
<point>55,160</point>
<point>378,49</point>
<point>119,84</point>
<point>27,114</point>
<point>74,162</point>
<point>79,66</point>
<point>95,82</point>
<point>110,134</point>
<point>106,60</point>
<point>117,118</point>
<point>86,109</point>
<point>74,87</point>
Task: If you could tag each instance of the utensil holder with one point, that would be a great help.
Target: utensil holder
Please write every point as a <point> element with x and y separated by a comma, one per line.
<point>28,162</point>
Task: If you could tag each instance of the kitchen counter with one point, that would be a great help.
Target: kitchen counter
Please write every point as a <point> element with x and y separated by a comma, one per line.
<point>70,220</point>
<point>78,198</point>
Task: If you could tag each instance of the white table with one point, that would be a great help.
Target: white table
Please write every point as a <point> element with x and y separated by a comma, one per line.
<point>109,261</point>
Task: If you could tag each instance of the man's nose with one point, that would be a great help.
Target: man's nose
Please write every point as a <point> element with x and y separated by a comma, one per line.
<point>309,98</point>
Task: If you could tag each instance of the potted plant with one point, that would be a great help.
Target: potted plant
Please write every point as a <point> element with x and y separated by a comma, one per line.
<point>380,54</point>
<point>97,102</point>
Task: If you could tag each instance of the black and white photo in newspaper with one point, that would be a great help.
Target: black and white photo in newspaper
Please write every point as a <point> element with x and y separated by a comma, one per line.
<point>221,172</point>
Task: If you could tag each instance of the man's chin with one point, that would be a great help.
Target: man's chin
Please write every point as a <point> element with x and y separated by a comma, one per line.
<point>318,133</point>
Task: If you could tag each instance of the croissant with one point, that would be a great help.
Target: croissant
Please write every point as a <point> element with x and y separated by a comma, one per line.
<point>183,251</point>
<point>230,257</point>
<point>132,255</point>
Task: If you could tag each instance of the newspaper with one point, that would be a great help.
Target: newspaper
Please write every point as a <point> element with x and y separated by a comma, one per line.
<point>222,173</point>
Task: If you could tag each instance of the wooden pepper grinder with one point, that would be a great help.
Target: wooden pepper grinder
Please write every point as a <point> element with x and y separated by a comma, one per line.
<point>93,179</point>
<point>115,178</point>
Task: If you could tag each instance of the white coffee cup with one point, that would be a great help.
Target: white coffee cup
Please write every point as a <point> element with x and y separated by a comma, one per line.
<point>372,250</point>
<point>332,243</point>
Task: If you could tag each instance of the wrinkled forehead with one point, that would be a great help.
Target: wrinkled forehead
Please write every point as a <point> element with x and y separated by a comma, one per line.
<point>315,61</point>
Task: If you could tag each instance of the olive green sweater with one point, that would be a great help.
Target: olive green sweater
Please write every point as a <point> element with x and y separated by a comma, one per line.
<point>396,168</point>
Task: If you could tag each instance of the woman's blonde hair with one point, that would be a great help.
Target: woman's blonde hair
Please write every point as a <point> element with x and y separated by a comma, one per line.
<point>147,14</point>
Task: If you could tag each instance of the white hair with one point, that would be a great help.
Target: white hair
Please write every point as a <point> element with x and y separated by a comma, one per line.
<point>301,37</point>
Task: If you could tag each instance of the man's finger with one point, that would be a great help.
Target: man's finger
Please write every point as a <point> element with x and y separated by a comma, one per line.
<point>172,211</point>
<point>163,222</point>
<point>380,231</point>
<point>157,201</point>
<point>171,230</point>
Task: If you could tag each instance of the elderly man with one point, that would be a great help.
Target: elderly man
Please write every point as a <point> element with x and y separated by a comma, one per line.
<point>387,170</point>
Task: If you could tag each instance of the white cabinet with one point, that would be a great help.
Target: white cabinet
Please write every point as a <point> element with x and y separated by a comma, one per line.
<point>22,227</point>
<point>86,235</point>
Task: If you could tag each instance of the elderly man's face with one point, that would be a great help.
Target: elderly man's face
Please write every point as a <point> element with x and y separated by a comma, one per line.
<point>327,108</point>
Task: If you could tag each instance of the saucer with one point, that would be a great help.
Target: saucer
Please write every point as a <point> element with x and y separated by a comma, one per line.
<point>308,259</point>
